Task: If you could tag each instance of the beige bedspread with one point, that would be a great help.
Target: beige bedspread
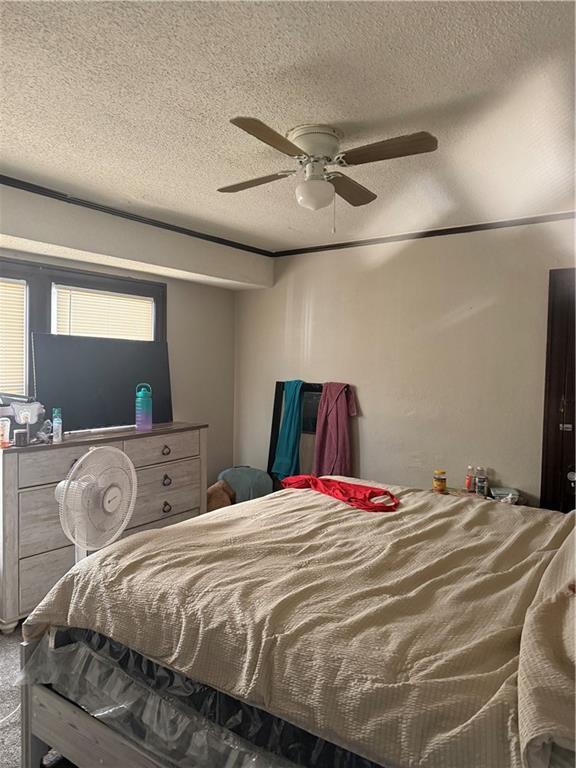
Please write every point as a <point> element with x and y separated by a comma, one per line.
<point>398,636</point>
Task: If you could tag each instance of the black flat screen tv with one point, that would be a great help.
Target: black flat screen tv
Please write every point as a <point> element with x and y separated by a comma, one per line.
<point>94,380</point>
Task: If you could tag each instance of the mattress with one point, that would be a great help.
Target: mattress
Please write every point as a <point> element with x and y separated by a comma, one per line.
<point>182,722</point>
<point>411,638</point>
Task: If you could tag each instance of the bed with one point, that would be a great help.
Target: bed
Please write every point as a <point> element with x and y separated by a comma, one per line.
<point>436,636</point>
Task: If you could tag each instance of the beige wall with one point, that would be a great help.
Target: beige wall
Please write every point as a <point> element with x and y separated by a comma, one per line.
<point>444,339</point>
<point>200,322</point>
<point>41,225</point>
<point>201,349</point>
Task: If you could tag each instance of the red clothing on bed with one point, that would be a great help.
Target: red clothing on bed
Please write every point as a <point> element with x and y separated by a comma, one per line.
<point>359,496</point>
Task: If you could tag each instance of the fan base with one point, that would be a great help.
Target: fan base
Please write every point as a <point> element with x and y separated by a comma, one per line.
<point>320,141</point>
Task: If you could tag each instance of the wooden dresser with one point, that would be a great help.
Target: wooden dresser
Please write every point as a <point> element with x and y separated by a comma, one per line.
<point>170,463</point>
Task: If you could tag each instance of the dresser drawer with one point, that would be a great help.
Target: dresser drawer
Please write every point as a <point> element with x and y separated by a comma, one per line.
<point>39,522</point>
<point>160,448</point>
<point>50,465</point>
<point>39,573</point>
<point>165,490</point>
<point>164,523</point>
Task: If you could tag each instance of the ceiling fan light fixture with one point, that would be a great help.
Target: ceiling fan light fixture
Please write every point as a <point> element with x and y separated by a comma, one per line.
<point>314,194</point>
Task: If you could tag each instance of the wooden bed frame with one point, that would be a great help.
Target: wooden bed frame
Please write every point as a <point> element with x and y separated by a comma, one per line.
<point>49,721</point>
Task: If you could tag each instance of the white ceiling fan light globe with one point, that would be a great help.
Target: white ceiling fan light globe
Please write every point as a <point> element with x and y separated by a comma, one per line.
<point>314,194</point>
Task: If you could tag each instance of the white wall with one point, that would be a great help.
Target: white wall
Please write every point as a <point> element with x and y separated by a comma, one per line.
<point>444,339</point>
<point>200,325</point>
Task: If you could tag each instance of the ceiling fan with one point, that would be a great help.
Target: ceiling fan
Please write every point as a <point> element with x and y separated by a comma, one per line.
<point>317,147</point>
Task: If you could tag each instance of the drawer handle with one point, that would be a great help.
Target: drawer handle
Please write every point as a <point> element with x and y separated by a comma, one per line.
<point>166,507</point>
<point>166,451</point>
<point>166,480</point>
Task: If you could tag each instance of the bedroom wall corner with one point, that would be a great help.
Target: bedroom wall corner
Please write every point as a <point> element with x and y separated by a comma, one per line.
<point>201,346</point>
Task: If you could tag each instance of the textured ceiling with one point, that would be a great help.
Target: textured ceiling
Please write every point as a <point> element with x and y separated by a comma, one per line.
<point>127,104</point>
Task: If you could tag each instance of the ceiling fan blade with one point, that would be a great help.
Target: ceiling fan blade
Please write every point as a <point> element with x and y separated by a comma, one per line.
<point>268,135</point>
<point>348,189</point>
<point>256,182</point>
<point>401,146</point>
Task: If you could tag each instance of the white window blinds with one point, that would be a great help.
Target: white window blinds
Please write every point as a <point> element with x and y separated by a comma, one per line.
<point>85,312</point>
<point>13,320</point>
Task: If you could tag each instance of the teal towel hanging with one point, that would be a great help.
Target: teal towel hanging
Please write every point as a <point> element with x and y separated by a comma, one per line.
<point>287,460</point>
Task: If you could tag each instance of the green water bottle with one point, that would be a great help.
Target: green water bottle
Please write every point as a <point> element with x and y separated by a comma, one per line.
<point>143,407</point>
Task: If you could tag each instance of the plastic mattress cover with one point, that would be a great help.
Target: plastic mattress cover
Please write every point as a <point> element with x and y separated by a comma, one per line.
<point>184,723</point>
<point>179,739</point>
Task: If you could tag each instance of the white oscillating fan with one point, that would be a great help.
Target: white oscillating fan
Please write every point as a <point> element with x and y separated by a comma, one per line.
<point>97,499</point>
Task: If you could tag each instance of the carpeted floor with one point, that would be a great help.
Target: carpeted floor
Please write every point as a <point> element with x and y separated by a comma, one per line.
<point>9,701</point>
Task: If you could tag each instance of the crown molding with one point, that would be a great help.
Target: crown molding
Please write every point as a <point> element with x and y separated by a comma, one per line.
<point>423,233</point>
<point>36,189</point>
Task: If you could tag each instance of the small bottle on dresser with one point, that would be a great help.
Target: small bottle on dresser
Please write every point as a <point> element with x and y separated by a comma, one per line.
<point>56,425</point>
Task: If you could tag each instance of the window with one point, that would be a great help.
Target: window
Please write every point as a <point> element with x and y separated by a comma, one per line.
<point>86,312</point>
<point>45,299</point>
<point>13,323</point>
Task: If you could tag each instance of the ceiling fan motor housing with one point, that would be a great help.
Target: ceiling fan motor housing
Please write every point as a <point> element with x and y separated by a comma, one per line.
<point>317,141</point>
<point>314,169</point>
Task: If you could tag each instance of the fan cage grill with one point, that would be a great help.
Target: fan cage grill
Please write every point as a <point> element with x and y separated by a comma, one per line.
<point>103,477</point>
